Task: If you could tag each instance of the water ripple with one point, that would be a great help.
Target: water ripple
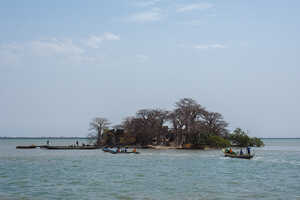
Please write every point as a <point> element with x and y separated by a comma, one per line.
<point>40,174</point>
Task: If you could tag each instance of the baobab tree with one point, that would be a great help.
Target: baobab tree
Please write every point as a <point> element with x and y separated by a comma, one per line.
<point>185,119</point>
<point>154,120</point>
<point>146,125</point>
<point>97,127</point>
<point>214,123</point>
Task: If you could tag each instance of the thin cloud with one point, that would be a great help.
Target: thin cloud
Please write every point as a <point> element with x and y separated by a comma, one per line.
<point>141,58</point>
<point>199,22</point>
<point>9,53</point>
<point>210,46</point>
<point>18,53</point>
<point>55,50</point>
<point>94,41</point>
<point>146,16</point>
<point>54,46</point>
<point>147,3</point>
<point>63,51</point>
<point>192,7</point>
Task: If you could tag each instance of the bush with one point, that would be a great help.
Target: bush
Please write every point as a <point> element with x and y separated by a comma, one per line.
<point>256,142</point>
<point>127,140</point>
<point>217,141</point>
<point>241,139</point>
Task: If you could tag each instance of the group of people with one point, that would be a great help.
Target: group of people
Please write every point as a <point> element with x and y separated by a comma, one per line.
<point>229,150</point>
<point>76,143</point>
<point>122,149</point>
<point>125,149</point>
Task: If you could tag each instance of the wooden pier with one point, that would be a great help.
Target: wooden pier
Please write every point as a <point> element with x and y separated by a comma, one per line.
<point>71,147</point>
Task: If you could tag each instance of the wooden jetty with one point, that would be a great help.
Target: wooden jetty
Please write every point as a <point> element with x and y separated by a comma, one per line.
<point>27,147</point>
<point>71,147</point>
<point>31,146</point>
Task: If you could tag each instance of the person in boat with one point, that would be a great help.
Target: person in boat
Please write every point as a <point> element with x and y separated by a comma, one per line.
<point>134,150</point>
<point>230,150</point>
<point>77,143</point>
<point>241,152</point>
<point>248,150</point>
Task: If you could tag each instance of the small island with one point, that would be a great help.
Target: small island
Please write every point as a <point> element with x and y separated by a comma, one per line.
<point>188,126</point>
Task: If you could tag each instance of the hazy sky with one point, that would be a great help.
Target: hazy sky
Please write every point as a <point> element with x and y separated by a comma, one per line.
<point>64,62</point>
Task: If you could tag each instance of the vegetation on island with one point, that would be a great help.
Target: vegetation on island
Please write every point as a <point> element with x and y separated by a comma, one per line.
<point>189,125</point>
<point>241,139</point>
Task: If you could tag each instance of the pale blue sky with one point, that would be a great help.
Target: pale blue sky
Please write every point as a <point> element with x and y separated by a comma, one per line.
<point>64,62</point>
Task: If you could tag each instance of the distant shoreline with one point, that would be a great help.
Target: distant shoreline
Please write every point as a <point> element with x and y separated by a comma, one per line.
<point>278,138</point>
<point>43,138</point>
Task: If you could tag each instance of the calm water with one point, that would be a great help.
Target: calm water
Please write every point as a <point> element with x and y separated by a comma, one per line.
<point>35,174</point>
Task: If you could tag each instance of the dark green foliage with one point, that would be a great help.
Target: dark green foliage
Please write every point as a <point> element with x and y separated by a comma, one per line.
<point>205,139</point>
<point>217,141</point>
<point>241,139</point>
<point>256,142</point>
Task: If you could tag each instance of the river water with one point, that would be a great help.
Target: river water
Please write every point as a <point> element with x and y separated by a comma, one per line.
<point>39,174</point>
